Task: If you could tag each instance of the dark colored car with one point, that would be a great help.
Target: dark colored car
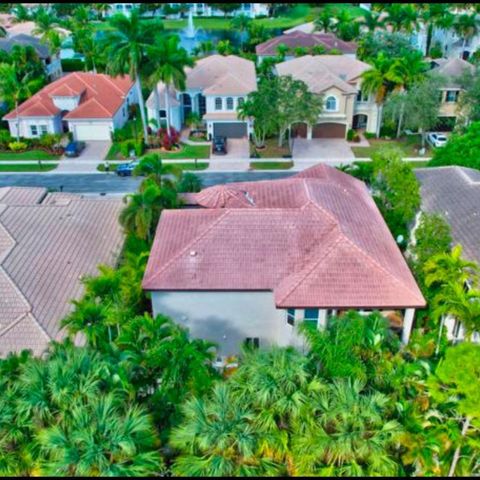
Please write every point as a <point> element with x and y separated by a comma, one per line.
<point>74,149</point>
<point>219,145</point>
<point>126,169</point>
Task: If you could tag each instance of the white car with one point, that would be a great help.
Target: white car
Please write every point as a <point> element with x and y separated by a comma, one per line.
<point>437,139</point>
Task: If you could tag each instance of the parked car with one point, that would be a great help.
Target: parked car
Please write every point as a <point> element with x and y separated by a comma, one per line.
<point>219,145</point>
<point>126,169</point>
<point>74,149</point>
<point>437,139</point>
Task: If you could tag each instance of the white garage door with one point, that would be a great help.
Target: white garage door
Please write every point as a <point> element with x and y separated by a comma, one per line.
<point>93,131</point>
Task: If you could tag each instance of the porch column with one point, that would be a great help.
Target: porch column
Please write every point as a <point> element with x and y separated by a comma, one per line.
<point>309,131</point>
<point>407,324</point>
<point>322,320</point>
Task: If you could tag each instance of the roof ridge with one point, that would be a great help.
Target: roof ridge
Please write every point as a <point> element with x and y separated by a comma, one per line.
<point>90,100</point>
<point>225,212</point>
<point>20,319</point>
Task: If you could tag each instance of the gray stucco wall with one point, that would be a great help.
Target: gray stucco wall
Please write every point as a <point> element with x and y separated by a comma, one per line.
<point>228,318</point>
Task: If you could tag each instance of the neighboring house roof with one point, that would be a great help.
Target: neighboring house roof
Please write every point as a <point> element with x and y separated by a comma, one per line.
<point>24,40</point>
<point>7,22</point>
<point>48,242</point>
<point>315,239</point>
<point>454,192</point>
<point>302,39</point>
<point>222,75</point>
<point>321,72</point>
<point>101,97</point>
<point>452,69</point>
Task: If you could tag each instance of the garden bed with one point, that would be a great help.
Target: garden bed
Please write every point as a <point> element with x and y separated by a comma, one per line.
<point>271,150</point>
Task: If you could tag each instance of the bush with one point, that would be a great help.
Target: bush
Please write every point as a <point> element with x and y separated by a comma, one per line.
<point>350,135</point>
<point>126,147</point>
<point>335,51</point>
<point>388,130</point>
<point>73,65</point>
<point>436,51</point>
<point>17,146</point>
<point>369,135</point>
<point>5,138</point>
<point>139,148</point>
<point>189,183</point>
<point>49,140</point>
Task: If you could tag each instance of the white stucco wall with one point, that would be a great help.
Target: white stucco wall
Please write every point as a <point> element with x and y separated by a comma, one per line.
<point>228,318</point>
<point>66,103</point>
<point>175,117</point>
<point>53,126</point>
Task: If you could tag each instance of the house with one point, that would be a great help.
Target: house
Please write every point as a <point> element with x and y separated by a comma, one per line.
<point>123,8</point>
<point>89,105</point>
<point>215,87</point>
<point>251,10</point>
<point>338,79</point>
<point>309,41</point>
<point>454,193</point>
<point>255,259</point>
<point>451,70</point>
<point>51,62</point>
<point>48,243</point>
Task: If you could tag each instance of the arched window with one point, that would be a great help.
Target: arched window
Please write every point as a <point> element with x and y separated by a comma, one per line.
<point>331,104</point>
<point>240,101</point>
<point>229,103</point>
<point>218,103</point>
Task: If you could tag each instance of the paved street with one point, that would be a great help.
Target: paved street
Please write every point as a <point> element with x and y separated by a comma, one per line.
<point>110,183</point>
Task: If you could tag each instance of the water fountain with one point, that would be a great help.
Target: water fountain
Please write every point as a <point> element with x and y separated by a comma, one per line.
<point>190,31</point>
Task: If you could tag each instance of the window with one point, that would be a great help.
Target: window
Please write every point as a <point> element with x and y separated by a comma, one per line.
<point>43,129</point>
<point>229,103</point>
<point>362,97</point>
<point>311,314</point>
<point>33,130</point>
<point>331,104</point>
<point>252,342</point>
<point>240,101</point>
<point>162,113</point>
<point>452,96</point>
<point>291,316</point>
<point>218,103</point>
<point>119,7</point>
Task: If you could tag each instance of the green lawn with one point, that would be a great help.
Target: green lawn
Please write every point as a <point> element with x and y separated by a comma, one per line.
<point>336,8</point>
<point>25,167</point>
<point>188,151</point>
<point>28,155</point>
<point>271,165</point>
<point>182,165</point>
<point>409,145</point>
<point>271,150</point>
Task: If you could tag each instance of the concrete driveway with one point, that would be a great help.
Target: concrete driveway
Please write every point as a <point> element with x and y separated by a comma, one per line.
<point>94,153</point>
<point>236,148</point>
<point>331,150</point>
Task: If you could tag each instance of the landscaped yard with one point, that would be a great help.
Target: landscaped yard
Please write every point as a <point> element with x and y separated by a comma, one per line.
<point>271,165</point>
<point>409,145</point>
<point>271,150</point>
<point>336,8</point>
<point>25,167</point>
<point>182,165</point>
<point>28,155</point>
<point>188,151</point>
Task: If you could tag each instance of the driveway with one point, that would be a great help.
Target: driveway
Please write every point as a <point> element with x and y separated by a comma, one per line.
<point>93,154</point>
<point>327,150</point>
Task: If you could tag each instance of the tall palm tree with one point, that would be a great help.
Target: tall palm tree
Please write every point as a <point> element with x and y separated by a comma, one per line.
<point>467,26</point>
<point>371,21</point>
<point>14,89</point>
<point>379,81</point>
<point>46,28</point>
<point>126,43</point>
<point>325,20</point>
<point>241,23</point>
<point>347,27</point>
<point>170,61</point>
<point>152,167</point>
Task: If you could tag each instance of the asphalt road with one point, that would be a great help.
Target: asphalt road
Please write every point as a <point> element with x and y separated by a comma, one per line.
<point>112,184</point>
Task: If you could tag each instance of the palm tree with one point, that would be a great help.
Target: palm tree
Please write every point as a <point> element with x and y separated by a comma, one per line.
<point>14,89</point>
<point>347,27</point>
<point>466,26</point>
<point>45,27</point>
<point>371,20</point>
<point>21,14</point>
<point>140,216</point>
<point>151,166</point>
<point>241,23</point>
<point>435,15</point>
<point>101,9</point>
<point>325,20</point>
<point>379,81</point>
<point>224,47</point>
<point>170,61</point>
<point>349,434</point>
<point>126,44</point>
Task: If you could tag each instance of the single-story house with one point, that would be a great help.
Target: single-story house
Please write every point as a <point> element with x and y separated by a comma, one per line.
<point>338,78</point>
<point>298,38</point>
<point>215,87</point>
<point>454,193</point>
<point>89,105</point>
<point>48,243</point>
<point>254,259</point>
<point>452,71</point>
<point>51,62</point>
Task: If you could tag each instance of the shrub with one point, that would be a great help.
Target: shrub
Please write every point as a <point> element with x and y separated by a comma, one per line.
<point>126,147</point>
<point>73,65</point>
<point>369,135</point>
<point>436,51</point>
<point>166,142</point>
<point>335,51</point>
<point>318,50</point>
<point>139,148</point>
<point>356,138</point>
<point>350,135</point>
<point>174,136</point>
<point>189,183</point>
<point>5,138</point>
<point>17,146</point>
<point>49,140</point>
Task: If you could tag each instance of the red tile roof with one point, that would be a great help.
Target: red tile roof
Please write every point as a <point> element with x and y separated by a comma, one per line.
<point>307,40</point>
<point>101,96</point>
<point>316,240</point>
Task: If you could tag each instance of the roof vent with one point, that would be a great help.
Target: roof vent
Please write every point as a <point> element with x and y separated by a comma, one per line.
<point>193,253</point>
<point>343,76</point>
<point>249,198</point>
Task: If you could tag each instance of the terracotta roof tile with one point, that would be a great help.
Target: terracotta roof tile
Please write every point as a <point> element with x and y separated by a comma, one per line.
<point>316,240</point>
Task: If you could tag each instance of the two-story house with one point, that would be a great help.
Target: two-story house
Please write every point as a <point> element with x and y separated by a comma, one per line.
<point>251,10</point>
<point>215,87</point>
<point>338,79</point>
<point>451,71</point>
<point>253,260</point>
<point>89,105</point>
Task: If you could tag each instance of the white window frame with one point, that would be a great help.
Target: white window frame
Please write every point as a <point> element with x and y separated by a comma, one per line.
<point>230,104</point>
<point>43,129</point>
<point>218,100</point>
<point>36,130</point>
<point>330,97</point>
